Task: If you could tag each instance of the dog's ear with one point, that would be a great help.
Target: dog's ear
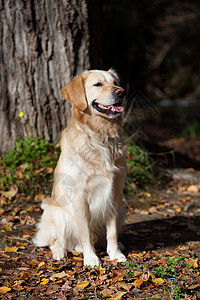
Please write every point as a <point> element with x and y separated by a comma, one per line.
<point>114,73</point>
<point>74,92</point>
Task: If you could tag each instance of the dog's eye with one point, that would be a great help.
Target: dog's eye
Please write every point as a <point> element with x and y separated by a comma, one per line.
<point>98,84</point>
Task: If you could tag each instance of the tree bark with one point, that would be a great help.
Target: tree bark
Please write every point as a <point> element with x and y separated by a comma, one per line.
<point>43,44</point>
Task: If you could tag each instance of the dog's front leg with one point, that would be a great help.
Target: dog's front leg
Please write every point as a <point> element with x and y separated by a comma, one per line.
<point>82,221</point>
<point>112,239</point>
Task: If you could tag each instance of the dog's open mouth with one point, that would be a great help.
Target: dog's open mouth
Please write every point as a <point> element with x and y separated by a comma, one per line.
<point>113,109</point>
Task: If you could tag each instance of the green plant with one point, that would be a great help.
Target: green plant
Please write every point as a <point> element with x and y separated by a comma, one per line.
<point>165,272</point>
<point>29,164</point>
<point>140,167</point>
<point>192,129</point>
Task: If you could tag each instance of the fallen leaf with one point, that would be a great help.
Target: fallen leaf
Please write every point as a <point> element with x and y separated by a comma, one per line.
<point>49,170</point>
<point>137,283</point>
<point>40,196</point>
<point>39,273</point>
<point>10,249</point>
<point>44,281</point>
<point>9,194</point>
<point>193,189</point>
<point>101,270</point>
<point>192,262</point>
<point>2,211</point>
<point>16,258</point>
<point>66,287</point>
<point>117,276</point>
<point>193,286</point>
<point>106,292</point>
<point>158,281</point>
<point>52,268</point>
<point>27,234</point>
<point>4,289</point>
<point>123,285</point>
<point>118,295</point>
<point>6,227</point>
<point>59,275</point>
<point>145,194</point>
<point>29,209</point>
<point>17,286</point>
<point>42,263</point>
<point>153,209</point>
<point>21,245</point>
<point>82,284</point>
<point>33,262</point>
<point>77,259</point>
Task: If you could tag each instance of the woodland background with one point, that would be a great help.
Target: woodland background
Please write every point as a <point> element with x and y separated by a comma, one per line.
<point>154,46</point>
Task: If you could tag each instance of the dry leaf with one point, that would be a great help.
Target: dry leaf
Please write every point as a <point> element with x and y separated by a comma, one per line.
<point>60,275</point>
<point>49,170</point>
<point>106,292</point>
<point>2,211</point>
<point>192,262</point>
<point>145,194</point>
<point>6,227</point>
<point>4,289</point>
<point>39,273</point>
<point>82,284</point>
<point>40,197</point>
<point>44,281</point>
<point>52,268</point>
<point>137,283</point>
<point>16,258</point>
<point>118,295</point>
<point>193,286</point>
<point>77,259</point>
<point>9,194</point>
<point>123,285</point>
<point>153,209</point>
<point>193,189</point>
<point>11,249</point>
<point>42,263</point>
<point>101,270</point>
<point>158,281</point>
<point>17,286</point>
<point>117,276</point>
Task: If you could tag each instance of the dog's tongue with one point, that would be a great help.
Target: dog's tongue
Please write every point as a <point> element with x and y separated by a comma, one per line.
<point>117,108</point>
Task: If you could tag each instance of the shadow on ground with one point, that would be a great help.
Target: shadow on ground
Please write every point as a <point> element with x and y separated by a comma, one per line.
<point>160,233</point>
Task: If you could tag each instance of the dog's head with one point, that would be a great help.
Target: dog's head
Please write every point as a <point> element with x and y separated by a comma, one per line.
<point>98,91</point>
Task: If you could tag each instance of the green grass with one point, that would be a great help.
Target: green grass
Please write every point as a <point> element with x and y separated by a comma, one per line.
<point>192,129</point>
<point>29,165</point>
<point>140,168</point>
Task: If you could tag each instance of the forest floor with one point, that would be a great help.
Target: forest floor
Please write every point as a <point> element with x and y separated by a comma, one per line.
<point>161,236</point>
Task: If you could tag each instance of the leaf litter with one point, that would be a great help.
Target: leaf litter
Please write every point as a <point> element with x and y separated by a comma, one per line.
<point>162,239</point>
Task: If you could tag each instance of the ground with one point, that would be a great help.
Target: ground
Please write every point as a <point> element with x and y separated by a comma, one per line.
<point>161,236</point>
<point>161,230</point>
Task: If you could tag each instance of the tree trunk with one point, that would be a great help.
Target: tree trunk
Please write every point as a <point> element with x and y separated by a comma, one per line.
<point>43,44</point>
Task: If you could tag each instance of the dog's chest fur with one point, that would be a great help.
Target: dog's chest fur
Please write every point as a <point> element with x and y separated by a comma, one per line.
<point>97,162</point>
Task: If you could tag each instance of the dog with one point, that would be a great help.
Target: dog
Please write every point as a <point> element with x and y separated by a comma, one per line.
<point>85,209</point>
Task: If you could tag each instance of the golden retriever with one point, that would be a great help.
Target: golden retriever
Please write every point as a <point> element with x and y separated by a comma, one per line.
<point>85,208</point>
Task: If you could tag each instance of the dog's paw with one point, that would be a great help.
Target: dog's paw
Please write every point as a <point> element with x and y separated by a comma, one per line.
<point>119,256</point>
<point>91,260</point>
<point>58,252</point>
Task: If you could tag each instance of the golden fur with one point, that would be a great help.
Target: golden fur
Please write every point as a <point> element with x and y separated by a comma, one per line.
<point>85,209</point>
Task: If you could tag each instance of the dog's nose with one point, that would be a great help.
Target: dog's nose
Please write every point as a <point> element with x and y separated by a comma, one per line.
<point>119,92</point>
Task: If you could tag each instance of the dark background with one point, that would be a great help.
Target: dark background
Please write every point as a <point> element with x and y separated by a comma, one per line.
<point>154,45</point>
